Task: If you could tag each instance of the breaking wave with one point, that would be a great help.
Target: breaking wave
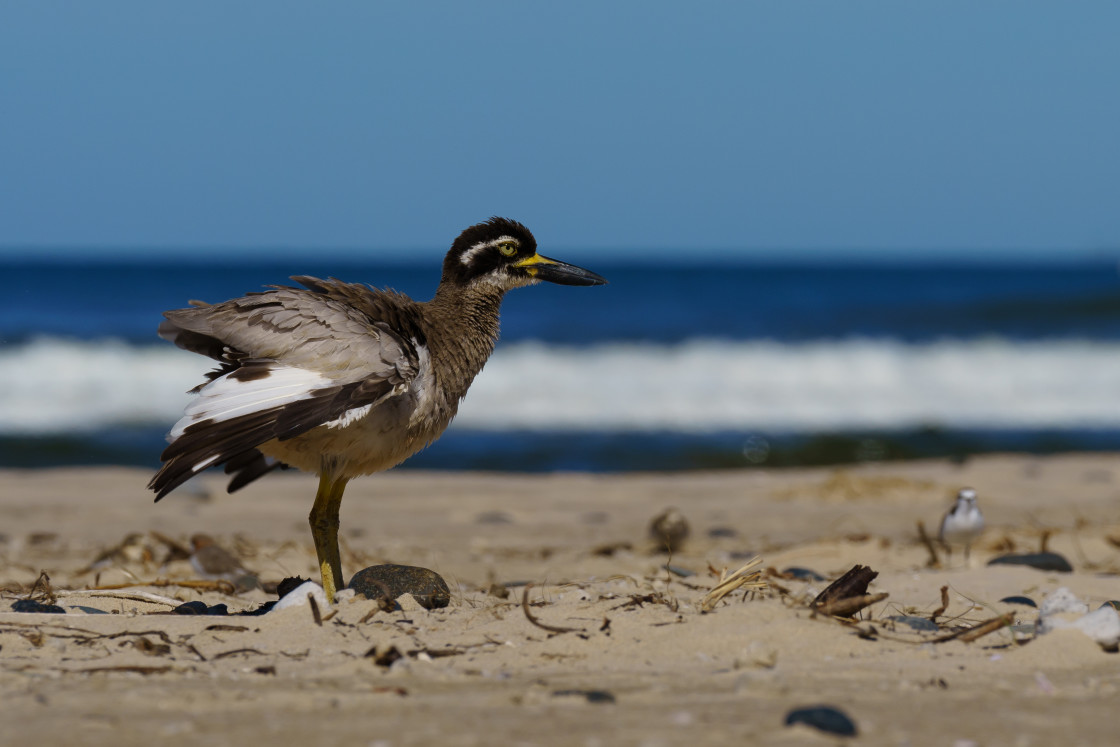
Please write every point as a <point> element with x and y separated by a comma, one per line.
<point>53,385</point>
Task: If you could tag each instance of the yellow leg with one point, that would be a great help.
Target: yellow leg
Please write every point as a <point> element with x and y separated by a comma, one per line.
<point>324,529</point>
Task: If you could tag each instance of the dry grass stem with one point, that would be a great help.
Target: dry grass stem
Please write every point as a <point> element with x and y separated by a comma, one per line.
<point>744,578</point>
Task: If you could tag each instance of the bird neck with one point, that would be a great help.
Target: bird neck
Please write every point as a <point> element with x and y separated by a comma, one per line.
<point>469,321</point>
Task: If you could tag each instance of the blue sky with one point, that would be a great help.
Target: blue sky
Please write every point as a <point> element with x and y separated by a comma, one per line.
<point>731,127</point>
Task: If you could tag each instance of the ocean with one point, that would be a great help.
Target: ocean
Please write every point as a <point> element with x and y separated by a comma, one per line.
<point>691,366</point>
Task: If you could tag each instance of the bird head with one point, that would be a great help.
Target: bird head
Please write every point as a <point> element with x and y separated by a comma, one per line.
<point>503,253</point>
<point>967,494</point>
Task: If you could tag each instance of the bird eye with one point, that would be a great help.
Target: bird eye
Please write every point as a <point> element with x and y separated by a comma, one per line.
<point>507,249</point>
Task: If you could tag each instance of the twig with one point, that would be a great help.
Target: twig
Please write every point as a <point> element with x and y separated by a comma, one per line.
<point>220,585</point>
<point>944,605</point>
<point>315,614</point>
<point>538,623</point>
<point>934,561</point>
<point>136,596</point>
<point>979,631</point>
<point>235,652</point>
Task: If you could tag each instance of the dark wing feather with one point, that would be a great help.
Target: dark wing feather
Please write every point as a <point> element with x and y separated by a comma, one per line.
<point>335,329</point>
<point>247,467</point>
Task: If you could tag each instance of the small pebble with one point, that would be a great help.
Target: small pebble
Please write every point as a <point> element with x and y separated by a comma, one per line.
<point>1043,561</point>
<point>191,608</point>
<point>1025,601</point>
<point>30,605</point>
<point>802,574</point>
<point>825,718</point>
<point>669,530</point>
<point>592,696</point>
<point>391,581</point>
<point>916,623</point>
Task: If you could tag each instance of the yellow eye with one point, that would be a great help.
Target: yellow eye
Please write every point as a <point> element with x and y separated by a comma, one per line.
<point>507,249</point>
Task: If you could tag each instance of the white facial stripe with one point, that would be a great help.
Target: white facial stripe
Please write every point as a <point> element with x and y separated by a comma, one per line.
<point>468,256</point>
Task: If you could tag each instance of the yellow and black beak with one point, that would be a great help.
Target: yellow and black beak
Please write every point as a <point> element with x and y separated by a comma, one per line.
<point>561,273</point>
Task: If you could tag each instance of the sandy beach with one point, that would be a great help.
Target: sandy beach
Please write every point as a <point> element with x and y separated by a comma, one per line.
<point>614,648</point>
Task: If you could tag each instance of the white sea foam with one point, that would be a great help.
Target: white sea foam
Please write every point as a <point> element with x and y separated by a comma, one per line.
<point>53,385</point>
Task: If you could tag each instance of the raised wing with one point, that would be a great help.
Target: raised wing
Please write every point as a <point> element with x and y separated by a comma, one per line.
<point>291,359</point>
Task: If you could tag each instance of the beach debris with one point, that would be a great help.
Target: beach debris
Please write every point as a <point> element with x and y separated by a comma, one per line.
<point>934,561</point>
<point>41,598</point>
<point>1061,609</point>
<point>601,697</point>
<point>175,549</point>
<point>757,655</point>
<point>302,596</point>
<point>493,517</point>
<point>383,655</point>
<point>795,573</point>
<point>501,591</point>
<point>1043,561</point>
<point>920,624</point>
<point>611,548</point>
<point>134,548</point>
<point>1020,600</point>
<point>848,595</point>
<point>679,571</point>
<point>723,533</point>
<point>390,581</point>
<point>968,635</point>
<point>30,605</point>
<point>200,608</point>
<point>944,605</point>
<point>213,562</point>
<point>669,530</point>
<point>748,577</point>
<point>543,626</point>
<point>825,718</point>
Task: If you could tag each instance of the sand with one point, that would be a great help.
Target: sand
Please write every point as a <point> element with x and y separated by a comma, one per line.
<point>638,663</point>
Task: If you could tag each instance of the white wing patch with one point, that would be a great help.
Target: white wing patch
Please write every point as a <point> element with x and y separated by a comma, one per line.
<point>226,398</point>
<point>349,417</point>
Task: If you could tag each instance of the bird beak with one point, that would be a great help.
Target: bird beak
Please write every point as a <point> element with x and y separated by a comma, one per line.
<point>561,273</point>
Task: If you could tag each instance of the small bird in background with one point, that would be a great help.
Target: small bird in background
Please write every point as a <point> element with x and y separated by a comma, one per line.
<point>963,523</point>
<point>214,563</point>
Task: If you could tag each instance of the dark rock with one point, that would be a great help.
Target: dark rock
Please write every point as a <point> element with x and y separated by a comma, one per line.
<point>391,581</point>
<point>1043,561</point>
<point>669,530</point>
<point>825,718</point>
<point>722,532</point>
<point>289,584</point>
<point>30,605</point>
<point>592,696</point>
<point>802,574</point>
<point>1025,601</point>
<point>261,610</point>
<point>191,608</point>
<point>217,610</point>
<point>384,656</point>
